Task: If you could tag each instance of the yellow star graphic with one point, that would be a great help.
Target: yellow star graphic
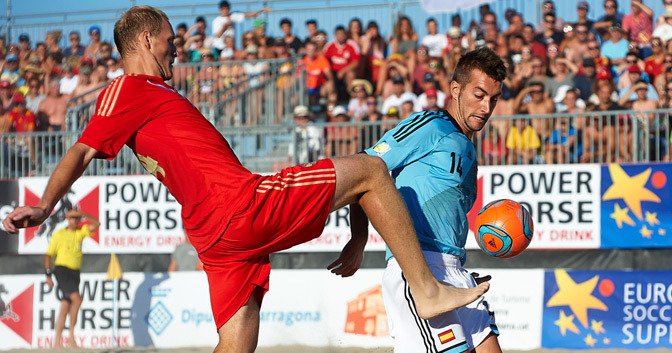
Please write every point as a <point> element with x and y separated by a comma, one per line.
<point>645,232</point>
<point>576,295</point>
<point>661,231</point>
<point>606,340</point>
<point>566,323</point>
<point>590,341</point>
<point>596,326</point>
<point>621,216</point>
<point>631,190</point>
<point>651,218</point>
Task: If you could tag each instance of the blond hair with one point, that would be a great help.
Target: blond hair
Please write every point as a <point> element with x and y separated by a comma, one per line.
<point>132,22</point>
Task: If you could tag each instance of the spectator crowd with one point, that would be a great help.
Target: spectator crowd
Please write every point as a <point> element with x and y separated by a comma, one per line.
<point>357,73</point>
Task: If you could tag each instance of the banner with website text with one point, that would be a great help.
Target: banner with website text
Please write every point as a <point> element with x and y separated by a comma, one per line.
<point>173,310</point>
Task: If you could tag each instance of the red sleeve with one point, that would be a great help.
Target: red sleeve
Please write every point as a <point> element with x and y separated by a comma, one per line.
<point>116,119</point>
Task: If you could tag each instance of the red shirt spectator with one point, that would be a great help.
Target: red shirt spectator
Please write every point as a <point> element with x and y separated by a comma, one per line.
<point>23,120</point>
<point>639,23</point>
<point>341,55</point>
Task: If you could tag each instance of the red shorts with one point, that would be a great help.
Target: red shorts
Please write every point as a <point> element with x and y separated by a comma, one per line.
<point>288,208</point>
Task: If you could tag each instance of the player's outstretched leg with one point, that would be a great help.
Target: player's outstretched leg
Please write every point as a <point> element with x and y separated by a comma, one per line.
<point>241,333</point>
<point>365,179</point>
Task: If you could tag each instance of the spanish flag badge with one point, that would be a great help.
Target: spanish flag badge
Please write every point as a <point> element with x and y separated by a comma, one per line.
<point>446,336</point>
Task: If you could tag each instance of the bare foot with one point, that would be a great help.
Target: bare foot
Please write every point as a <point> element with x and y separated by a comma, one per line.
<point>72,342</point>
<point>445,298</point>
<point>58,342</point>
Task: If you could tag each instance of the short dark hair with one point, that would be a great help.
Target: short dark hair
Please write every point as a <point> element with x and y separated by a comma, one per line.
<point>182,26</point>
<point>286,21</point>
<point>483,59</point>
<point>431,19</point>
<point>311,21</point>
<point>339,28</point>
<point>200,19</point>
<point>223,4</point>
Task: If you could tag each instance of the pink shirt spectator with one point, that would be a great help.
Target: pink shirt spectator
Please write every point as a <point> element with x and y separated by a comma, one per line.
<point>341,55</point>
<point>639,26</point>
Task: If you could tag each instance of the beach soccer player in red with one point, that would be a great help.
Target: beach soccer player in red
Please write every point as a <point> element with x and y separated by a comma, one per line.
<point>234,218</point>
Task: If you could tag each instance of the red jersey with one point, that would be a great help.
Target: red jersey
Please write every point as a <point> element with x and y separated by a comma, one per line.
<point>22,122</point>
<point>175,143</point>
<point>341,55</point>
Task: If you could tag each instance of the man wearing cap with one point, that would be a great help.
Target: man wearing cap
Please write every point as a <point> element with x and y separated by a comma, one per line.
<point>626,85</point>
<point>94,45</point>
<point>65,247</point>
<point>616,47</point>
<point>69,80</point>
<point>400,94</point>
<point>223,25</point>
<point>11,71</point>
<point>582,8</point>
<point>429,84</point>
<point>259,29</point>
<point>309,142</point>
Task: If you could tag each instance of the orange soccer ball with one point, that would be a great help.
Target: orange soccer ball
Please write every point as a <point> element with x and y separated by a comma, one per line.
<point>503,228</point>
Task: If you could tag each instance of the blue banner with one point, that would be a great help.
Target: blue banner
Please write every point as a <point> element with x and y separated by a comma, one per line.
<point>636,206</point>
<point>607,309</point>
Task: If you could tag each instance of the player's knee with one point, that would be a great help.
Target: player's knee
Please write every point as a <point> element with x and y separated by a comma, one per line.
<point>377,167</point>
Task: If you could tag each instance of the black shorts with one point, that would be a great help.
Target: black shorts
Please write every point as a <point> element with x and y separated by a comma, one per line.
<point>67,282</point>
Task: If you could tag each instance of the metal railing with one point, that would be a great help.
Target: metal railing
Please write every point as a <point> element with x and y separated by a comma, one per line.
<point>225,94</point>
<point>597,137</point>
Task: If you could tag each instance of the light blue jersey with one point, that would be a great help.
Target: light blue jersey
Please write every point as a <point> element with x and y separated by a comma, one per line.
<point>434,167</point>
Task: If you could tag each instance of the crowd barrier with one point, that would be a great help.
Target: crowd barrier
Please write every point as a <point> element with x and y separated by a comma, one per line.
<point>597,137</point>
<point>573,206</point>
<point>224,93</point>
<point>533,308</point>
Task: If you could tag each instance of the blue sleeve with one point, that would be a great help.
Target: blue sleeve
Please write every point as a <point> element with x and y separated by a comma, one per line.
<point>409,141</point>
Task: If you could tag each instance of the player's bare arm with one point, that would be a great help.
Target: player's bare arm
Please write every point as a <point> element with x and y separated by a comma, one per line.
<point>69,169</point>
<point>353,252</point>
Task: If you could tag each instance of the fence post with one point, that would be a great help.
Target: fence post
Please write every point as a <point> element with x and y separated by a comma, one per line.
<point>635,137</point>
<point>8,13</point>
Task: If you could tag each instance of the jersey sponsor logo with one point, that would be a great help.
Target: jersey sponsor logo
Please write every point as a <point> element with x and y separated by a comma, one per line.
<point>17,313</point>
<point>382,148</point>
<point>446,336</point>
<point>152,166</point>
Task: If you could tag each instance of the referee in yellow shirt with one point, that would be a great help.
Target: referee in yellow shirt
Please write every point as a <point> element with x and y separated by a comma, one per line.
<point>66,247</point>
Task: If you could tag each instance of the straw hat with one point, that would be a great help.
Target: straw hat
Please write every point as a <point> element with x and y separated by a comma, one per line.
<point>359,82</point>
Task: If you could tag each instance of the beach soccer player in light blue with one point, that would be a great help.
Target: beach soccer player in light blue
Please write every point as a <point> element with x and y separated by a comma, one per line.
<point>433,162</point>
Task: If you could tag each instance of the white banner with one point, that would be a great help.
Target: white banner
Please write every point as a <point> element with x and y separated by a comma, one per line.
<point>173,310</point>
<point>563,200</point>
<point>137,215</point>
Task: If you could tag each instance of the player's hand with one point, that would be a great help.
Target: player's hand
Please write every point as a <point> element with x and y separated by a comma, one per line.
<point>479,279</point>
<point>351,258</point>
<point>50,282</point>
<point>22,217</point>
